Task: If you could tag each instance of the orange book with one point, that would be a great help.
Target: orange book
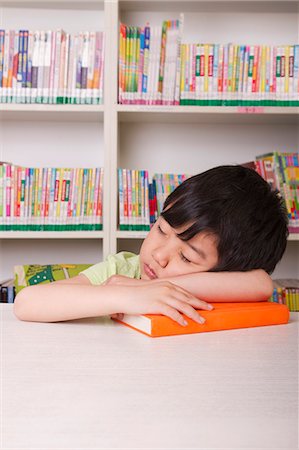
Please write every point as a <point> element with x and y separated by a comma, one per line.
<point>224,316</point>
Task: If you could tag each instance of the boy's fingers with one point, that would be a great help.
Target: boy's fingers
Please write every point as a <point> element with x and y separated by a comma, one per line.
<point>186,309</point>
<point>173,314</point>
<point>194,301</point>
<point>201,304</point>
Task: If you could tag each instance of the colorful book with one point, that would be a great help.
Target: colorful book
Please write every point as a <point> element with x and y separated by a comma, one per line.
<point>224,316</point>
<point>286,291</point>
<point>30,275</point>
<point>51,67</point>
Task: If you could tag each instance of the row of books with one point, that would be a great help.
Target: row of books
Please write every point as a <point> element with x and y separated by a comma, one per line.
<point>239,75</point>
<point>61,199</point>
<point>286,292</point>
<point>7,291</point>
<point>149,65</point>
<point>156,68</point>
<point>50,199</point>
<point>281,171</point>
<point>141,201</point>
<point>51,67</point>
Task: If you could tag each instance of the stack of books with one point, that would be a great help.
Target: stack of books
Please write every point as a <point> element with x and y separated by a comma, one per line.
<point>51,67</point>
<point>156,68</point>
<point>281,171</point>
<point>164,184</point>
<point>50,199</point>
<point>149,64</point>
<point>141,201</point>
<point>7,291</point>
<point>286,292</point>
<point>239,75</point>
<point>133,189</point>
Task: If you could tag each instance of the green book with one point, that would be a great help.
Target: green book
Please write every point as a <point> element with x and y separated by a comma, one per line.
<point>29,275</point>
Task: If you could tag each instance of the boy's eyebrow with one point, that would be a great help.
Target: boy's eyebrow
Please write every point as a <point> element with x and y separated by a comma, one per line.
<point>197,250</point>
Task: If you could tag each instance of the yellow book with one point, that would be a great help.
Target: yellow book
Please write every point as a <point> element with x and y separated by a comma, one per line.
<point>263,73</point>
<point>79,198</point>
<point>234,77</point>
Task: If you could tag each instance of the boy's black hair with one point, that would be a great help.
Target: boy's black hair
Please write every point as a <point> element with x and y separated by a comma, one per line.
<point>238,207</point>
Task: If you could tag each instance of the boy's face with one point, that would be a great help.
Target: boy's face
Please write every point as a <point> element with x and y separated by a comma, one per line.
<point>163,254</point>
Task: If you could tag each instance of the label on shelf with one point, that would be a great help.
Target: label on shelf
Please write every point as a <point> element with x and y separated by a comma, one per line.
<point>251,109</point>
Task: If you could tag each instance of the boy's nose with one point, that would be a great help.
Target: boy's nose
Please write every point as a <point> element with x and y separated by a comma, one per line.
<point>160,255</point>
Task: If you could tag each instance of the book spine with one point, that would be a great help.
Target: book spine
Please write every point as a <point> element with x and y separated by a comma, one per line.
<point>145,72</point>
<point>101,94</point>
<point>2,44</point>
<point>20,67</point>
<point>4,67</point>
<point>57,58</point>
<point>90,67</point>
<point>8,96</point>
<point>41,66</point>
<point>291,75</point>
<point>62,67</point>
<point>47,67</point>
<point>28,85</point>
<point>98,69</point>
<point>35,63</point>
<point>178,60</point>
<point>52,67</point>
<point>24,65</point>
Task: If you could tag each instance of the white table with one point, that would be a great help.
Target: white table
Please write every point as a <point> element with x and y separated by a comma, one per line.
<point>94,384</point>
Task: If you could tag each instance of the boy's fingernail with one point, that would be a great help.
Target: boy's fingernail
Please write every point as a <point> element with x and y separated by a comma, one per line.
<point>185,323</point>
<point>201,319</point>
<point>210,307</point>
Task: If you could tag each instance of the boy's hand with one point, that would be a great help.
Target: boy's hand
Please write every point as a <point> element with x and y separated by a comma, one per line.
<point>133,296</point>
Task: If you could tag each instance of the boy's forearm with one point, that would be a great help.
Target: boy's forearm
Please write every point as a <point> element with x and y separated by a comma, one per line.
<point>255,285</point>
<point>58,302</point>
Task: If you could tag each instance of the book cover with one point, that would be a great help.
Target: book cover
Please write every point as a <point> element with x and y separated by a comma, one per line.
<point>32,274</point>
<point>225,316</point>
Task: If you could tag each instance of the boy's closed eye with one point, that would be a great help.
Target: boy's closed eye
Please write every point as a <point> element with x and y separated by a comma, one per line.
<point>160,230</point>
<point>183,258</point>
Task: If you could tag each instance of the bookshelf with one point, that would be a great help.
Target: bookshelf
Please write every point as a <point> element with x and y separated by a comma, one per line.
<point>172,139</point>
<point>53,136</point>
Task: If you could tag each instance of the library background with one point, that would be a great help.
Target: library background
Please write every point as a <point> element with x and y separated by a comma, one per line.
<point>106,106</point>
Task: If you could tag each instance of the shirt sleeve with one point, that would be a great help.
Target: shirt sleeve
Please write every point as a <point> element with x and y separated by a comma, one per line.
<point>98,273</point>
<point>123,263</point>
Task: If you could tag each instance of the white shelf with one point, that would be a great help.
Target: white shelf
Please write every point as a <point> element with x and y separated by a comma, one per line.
<point>54,4</point>
<point>40,112</point>
<point>131,234</point>
<point>51,234</point>
<point>208,114</point>
<point>257,6</point>
<point>143,234</point>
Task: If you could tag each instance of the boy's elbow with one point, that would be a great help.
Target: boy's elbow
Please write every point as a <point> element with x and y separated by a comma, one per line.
<point>266,285</point>
<point>21,308</point>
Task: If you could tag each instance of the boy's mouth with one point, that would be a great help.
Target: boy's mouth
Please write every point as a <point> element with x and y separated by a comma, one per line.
<point>149,272</point>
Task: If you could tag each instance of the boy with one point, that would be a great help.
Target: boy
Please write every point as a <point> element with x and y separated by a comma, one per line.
<point>219,236</point>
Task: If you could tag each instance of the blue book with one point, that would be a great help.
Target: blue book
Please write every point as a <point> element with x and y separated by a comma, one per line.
<point>146,60</point>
